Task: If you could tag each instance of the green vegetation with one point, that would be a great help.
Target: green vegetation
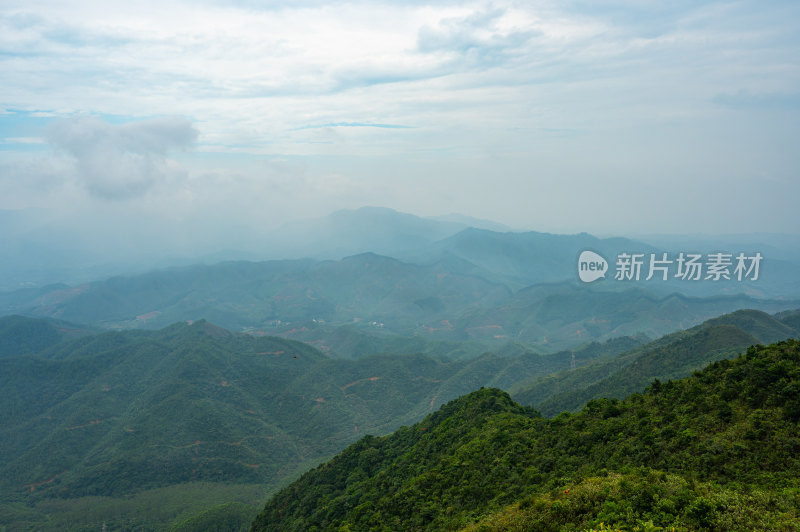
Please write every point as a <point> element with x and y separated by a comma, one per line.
<point>671,357</point>
<point>466,301</point>
<point>230,517</point>
<point>22,335</point>
<point>790,318</point>
<point>118,414</point>
<point>719,450</point>
<point>184,505</point>
<point>102,419</point>
<point>639,500</point>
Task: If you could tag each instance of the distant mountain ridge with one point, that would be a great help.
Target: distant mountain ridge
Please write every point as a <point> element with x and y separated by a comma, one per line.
<point>369,229</point>
<point>523,258</point>
<point>444,301</point>
<point>33,250</point>
<point>470,221</point>
<point>438,280</point>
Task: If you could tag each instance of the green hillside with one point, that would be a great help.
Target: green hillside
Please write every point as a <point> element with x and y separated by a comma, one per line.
<point>719,450</point>
<point>369,304</point>
<point>560,316</point>
<point>790,318</point>
<point>107,419</point>
<point>21,336</point>
<point>118,415</point>
<point>523,258</point>
<point>110,417</point>
<point>148,411</point>
<point>673,356</point>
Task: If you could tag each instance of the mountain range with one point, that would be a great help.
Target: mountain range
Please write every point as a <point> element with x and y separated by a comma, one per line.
<point>100,418</point>
<point>35,250</point>
<point>180,398</point>
<point>380,297</point>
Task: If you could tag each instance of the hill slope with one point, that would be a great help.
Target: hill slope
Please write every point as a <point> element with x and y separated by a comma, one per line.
<point>22,336</point>
<point>125,415</point>
<point>716,450</point>
<point>311,300</point>
<point>673,356</point>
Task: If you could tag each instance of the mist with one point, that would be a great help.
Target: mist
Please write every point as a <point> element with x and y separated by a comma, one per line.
<point>155,136</point>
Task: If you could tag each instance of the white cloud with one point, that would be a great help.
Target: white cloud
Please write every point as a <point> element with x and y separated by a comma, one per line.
<point>121,161</point>
<point>488,86</point>
<point>24,140</point>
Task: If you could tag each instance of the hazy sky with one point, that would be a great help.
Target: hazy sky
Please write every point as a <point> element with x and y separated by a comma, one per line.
<point>563,116</point>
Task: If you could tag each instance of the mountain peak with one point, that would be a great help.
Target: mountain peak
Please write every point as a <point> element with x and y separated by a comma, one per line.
<point>482,402</point>
<point>209,329</point>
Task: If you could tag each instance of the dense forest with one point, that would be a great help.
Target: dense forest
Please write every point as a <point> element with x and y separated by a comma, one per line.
<point>194,424</point>
<point>146,428</point>
<point>719,450</point>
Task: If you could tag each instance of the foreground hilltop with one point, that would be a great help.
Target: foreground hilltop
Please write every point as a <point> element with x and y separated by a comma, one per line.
<point>718,450</point>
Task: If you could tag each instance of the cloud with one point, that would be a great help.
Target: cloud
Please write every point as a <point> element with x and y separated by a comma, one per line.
<point>479,37</point>
<point>125,160</point>
<point>355,124</point>
<point>508,94</point>
<point>746,100</point>
<point>24,140</point>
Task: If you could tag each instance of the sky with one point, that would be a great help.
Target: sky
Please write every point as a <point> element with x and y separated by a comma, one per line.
<point>133,120</point>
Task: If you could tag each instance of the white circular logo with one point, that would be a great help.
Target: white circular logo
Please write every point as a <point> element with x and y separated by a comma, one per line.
<point>591,266</point>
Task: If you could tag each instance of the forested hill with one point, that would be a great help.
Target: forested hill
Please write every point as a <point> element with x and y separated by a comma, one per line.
<point>154,419</point>
<point>380,297</point>
<point>19,335</point>
<point>673,356</point>
<point>719,450</point>
<point>195,409</point>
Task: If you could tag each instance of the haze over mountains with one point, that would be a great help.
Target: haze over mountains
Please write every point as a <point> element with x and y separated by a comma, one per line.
<point>207,385</point>
<point>37,250</point>
<point>379,296</point>
<point>384,273</point>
